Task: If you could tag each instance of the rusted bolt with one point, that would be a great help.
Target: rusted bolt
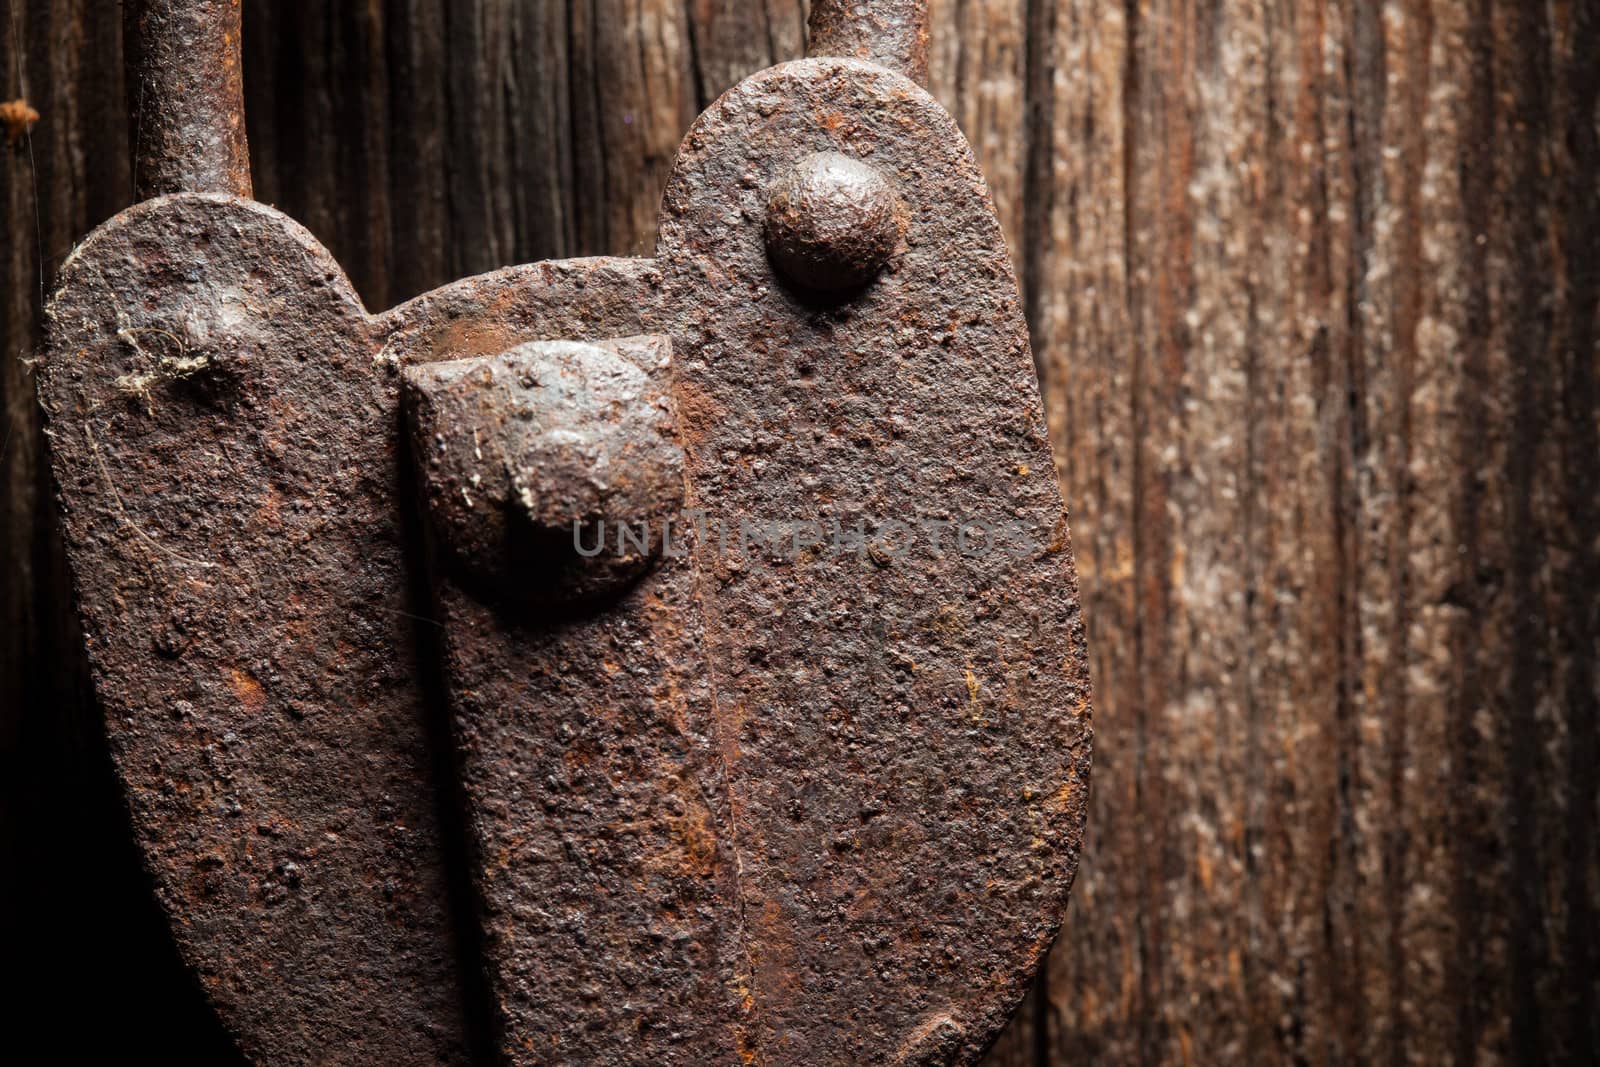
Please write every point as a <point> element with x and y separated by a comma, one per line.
<point>832,223</point>
<point>549,471</point>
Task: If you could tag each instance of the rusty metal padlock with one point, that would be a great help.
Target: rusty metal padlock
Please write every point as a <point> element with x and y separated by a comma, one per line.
<point>721,600</point>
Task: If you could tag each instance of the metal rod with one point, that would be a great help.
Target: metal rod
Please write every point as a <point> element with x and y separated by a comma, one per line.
<point>186,93</point>
<point>891,33</point>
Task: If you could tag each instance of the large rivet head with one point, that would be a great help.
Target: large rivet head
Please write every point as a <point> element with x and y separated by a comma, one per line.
<point>833,223</point>
<point>550,472</point>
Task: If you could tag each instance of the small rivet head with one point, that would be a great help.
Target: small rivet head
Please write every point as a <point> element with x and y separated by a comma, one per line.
<point>833,223</point>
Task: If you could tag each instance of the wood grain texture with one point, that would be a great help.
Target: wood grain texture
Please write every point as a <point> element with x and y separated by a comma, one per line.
<point>1313,285</point>
<point>1317,324</point>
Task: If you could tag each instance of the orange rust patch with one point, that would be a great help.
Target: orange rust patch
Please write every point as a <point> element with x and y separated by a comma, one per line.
<point>247,689</point>
<point>698,840</point>
<point>466,336</point>
<point>1059,538</point>
<point>697,412</point>
<point>269,513</point>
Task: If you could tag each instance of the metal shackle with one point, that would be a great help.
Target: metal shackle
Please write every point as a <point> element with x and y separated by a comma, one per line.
<point>186,81</point>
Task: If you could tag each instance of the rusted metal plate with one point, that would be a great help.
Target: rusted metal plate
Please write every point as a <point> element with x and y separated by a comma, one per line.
<point>905,725</point>
<point>227,454</point>
<point>583,711</point>
<point>800,782</point>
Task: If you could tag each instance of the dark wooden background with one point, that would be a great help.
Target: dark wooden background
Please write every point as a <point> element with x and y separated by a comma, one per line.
<point>1314,289</point>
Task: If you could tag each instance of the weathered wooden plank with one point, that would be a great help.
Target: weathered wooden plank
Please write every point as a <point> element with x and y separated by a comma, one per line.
<point>1344,668</point>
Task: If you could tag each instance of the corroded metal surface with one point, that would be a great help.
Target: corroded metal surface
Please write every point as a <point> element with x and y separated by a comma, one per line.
<point>832,223</point>
<point>905,725</point>
<point>186,90</point>
<point>548,471</point>
<point>892,33</point>
<point>590,769</point>
<point>800,782</point>
<point>593,792</point>
<point>226,453</point>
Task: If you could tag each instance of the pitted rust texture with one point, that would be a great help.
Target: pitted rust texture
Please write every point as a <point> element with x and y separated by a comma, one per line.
<point>588,766</point>
<point>832,223</point>
<point>186,87</point>
<point>590,773</point>
<point>588,299</point>
<point>906,736</point>
<point>226,453</point>
<point>891,33</point>
<point>548,471</point>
